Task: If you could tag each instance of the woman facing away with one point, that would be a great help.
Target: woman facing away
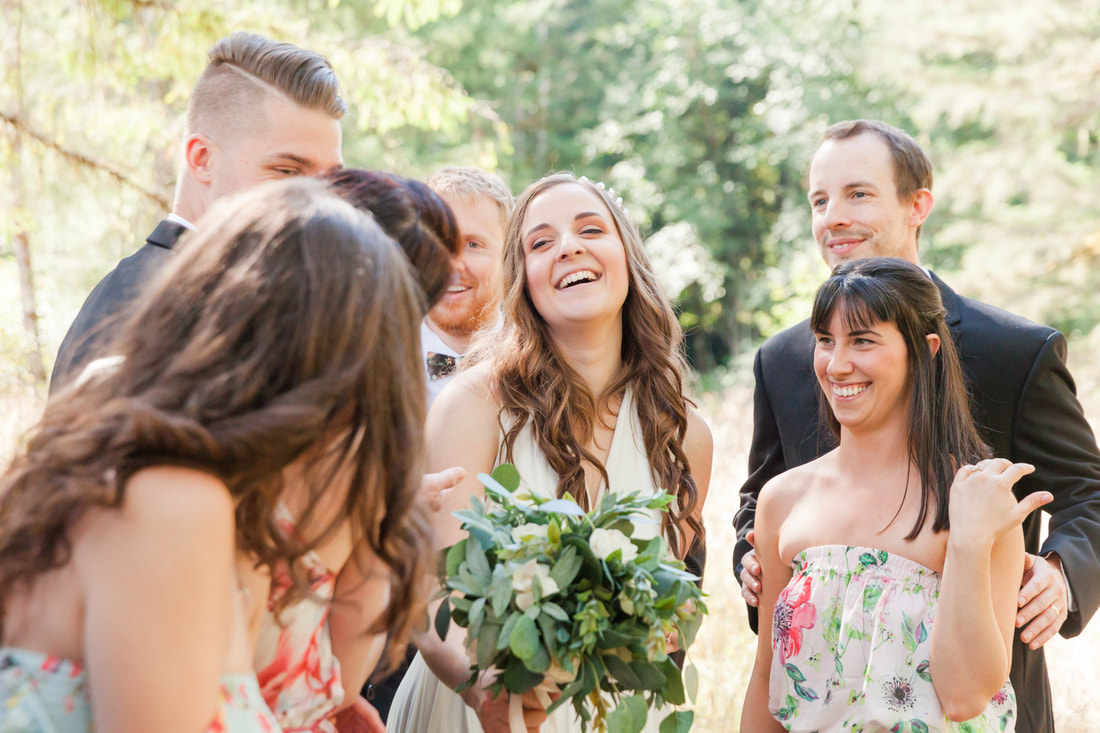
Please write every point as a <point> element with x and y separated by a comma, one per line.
<point>582,390</point>
<point>266,370</point>
<point>898,554</point>
<point>312,657</point>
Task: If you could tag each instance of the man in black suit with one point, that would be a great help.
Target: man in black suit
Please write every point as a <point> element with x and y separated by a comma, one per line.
<point>870,192</point>
<point>260,110</point>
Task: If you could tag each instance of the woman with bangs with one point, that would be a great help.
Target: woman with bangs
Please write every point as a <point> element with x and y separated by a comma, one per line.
<point>261,418</point>
<point>899,552</point>
<point>582,390</point>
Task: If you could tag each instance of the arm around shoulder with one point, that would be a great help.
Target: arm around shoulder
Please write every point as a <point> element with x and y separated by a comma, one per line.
<point>1052,433</point>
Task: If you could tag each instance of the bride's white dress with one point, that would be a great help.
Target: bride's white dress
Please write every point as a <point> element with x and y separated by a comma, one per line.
<point>422,703</point>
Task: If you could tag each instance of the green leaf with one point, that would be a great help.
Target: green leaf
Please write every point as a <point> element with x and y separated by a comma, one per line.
<point>517,678</point>
<point>674,683</point>
<point>871,594</point>
<point>506,631</point>
<point>629,716</point>
<point>794,673</point>
<point>478,563</point>
<point>553,531</point>
<point>507,475</point>
<point>923,671</point>
<point>907,632</point>
<point>539,661</point>
<point>612,639</point>
<point>883,556</point>
<point>651,676</point>
<point>555,611</point>
<point>487,645</point>
<point>456,553</point>
<point>622,672</point>
<point>524,641</point>
<point>477,615</point>
<point>691,682</point>
<point>562,506</point>
<point>500,591</point>
<point>443,619</point>
<point>677,722</point>
<point>566,568</point>
<point>868,559</point>
<point>495,489</point>
<point>573,688</point>
<point>805,692</point>
<point>918,726</point>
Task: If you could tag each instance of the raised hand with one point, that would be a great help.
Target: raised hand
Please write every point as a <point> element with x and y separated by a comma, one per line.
<point>436,486</point>
<point>983,506</point>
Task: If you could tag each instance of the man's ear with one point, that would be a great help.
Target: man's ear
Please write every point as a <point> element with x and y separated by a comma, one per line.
<point>921,207</point>
<point>197,153</point>
<point>933,340</point>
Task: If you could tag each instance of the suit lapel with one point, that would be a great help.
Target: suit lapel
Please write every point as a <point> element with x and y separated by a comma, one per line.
<point>952,303</point>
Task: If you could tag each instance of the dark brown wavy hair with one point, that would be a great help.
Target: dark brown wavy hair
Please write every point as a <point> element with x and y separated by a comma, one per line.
<point>534,382</point>
<point>287,321</point>
<point>410,212</point>
<point>941,431</point>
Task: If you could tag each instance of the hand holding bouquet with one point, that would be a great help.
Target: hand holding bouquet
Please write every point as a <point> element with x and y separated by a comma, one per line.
<point>558,599</point>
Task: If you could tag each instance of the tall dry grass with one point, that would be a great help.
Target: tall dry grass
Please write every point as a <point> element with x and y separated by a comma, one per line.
<point>724,649</point>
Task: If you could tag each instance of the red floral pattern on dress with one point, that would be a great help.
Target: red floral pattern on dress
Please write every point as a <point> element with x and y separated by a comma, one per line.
<point>298,673</point>
<point>793,613</point>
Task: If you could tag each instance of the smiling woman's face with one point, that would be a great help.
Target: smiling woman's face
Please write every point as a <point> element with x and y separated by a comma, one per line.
<point>574,258</point>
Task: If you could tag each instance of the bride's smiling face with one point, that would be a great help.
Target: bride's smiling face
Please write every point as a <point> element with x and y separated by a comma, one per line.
<point>574,258</point>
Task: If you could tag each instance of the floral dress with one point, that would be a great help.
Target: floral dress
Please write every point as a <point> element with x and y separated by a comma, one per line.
<point>298,672</point>
<point>851,637</point>
<point>46,694</point>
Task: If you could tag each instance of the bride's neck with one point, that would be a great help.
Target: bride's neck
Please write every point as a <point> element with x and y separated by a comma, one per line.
<point>596,355</point>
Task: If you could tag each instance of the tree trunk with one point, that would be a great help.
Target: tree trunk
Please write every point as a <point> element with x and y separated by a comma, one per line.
<point>21,238</point>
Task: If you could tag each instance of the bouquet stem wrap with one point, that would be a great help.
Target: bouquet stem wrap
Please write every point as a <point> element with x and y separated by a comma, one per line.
<point>515,705</point>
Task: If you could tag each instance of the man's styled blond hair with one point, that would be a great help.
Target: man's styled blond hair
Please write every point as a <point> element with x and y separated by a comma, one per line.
<point>471,183</point>
<point>244,67</point>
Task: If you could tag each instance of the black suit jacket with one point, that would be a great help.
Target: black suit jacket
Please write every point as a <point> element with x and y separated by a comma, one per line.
<point>93,325</point>
<point>1025,403</point>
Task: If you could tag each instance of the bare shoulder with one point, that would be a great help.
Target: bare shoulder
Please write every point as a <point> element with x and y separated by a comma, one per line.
<point>172,507</point>
<point>779,493</point>
<point>698,438</point>
<point>465,413</point>
<point>178,495</point>
<point>699,449</point>
<point>469,394</point>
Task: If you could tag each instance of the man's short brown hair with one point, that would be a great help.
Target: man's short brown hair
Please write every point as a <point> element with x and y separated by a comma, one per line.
<point>912,168</point>
<point>245,66</point>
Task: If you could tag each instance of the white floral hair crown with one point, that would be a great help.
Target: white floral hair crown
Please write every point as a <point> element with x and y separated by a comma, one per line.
<point>610,192</point>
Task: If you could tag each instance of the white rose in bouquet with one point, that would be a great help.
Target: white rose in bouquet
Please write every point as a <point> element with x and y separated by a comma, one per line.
<point>527,532</point>
<point>606,541</point>
<point>523,581</point>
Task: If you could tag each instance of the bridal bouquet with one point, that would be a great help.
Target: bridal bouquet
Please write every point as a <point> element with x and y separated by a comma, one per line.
<point>557,599</point>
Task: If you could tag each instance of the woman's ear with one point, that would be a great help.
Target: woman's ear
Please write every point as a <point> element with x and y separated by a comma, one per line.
<point>933,343</point>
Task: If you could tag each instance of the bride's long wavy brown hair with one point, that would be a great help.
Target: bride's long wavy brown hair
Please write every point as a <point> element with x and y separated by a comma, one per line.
<point>534,382</point>
<point>288,322</point>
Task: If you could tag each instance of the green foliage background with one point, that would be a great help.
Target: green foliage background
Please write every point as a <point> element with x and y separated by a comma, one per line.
<point>702,114</point>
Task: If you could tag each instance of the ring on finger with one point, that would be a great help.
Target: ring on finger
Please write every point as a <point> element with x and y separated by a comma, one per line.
<point>1057,611</point>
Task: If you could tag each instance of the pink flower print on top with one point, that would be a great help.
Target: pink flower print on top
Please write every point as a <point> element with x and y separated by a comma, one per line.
<point>793,613</point>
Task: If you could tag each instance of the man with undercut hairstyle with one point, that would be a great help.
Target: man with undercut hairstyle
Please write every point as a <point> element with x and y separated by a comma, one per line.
<point>261,110</point>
